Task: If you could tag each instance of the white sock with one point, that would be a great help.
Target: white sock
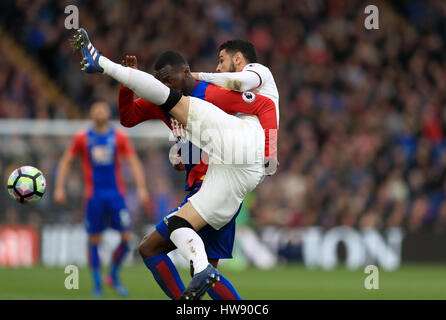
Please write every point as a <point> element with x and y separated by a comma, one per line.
<point>191,247</point>
<point>143,84</point>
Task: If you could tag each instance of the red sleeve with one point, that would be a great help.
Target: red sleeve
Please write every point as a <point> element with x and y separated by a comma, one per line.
<point>133,112</point>
<point>124,144</point>
<point>261,106</point>
<point>78,144</point>
<point>227,100</point>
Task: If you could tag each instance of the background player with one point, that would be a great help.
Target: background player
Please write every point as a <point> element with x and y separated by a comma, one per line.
<point>101,149</point>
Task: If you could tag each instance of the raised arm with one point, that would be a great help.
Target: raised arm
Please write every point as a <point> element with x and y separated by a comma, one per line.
<point>238,81</point>
<point>138,175</point>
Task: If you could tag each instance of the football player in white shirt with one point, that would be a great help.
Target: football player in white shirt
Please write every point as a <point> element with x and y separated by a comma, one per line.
<point>239,70</point>
<point>225,184</point>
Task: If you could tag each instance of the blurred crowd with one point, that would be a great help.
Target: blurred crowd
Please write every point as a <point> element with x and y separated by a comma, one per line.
<point>362,130</point>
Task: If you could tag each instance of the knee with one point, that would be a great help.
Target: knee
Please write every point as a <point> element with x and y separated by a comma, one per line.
<point>177,222</point>
<point>146,249</point>
<point>154,244</point>
<point>94,239</point>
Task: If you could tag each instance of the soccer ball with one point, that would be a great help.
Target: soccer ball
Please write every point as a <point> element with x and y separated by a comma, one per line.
<point>26,184</point>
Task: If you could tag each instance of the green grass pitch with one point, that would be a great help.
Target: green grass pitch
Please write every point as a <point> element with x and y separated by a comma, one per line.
<point>289,282</point>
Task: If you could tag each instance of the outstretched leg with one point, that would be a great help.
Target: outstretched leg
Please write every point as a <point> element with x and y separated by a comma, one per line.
<point>143,84</point>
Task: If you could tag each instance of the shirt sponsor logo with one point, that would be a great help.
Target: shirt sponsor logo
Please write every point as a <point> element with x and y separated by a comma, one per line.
<point>102,154</point>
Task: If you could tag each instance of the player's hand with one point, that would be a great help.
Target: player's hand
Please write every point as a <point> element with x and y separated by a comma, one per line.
<point>175,158</point>
<point>195,75</point>
<point>60,196</point>
<point>130,61</point>
<point>143,196</point>
<point>177,164</point>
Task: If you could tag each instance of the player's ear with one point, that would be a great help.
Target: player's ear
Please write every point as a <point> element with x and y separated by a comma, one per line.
<point>237,58</point>
<point>187,73</point>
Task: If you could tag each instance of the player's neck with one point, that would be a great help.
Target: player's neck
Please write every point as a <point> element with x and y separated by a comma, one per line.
<point>101,128</point>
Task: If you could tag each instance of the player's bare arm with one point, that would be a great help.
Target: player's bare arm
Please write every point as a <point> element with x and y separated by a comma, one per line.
<point>138,175</point>
<point>64,168</point>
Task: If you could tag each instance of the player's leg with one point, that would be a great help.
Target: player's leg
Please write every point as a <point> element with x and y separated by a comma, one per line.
<point>120,221</point>
<point>224,290</point>
<point>119,254</point>
<point>148,87</point>
<point>143,84</point>
<point>219,245</point>
<point>94,220</point>
<point>204,116</point>
<point>224,187</point>
<point>222,191</point>
<point>153,250</point>
<point>94,261</point>
<point>182,230</point>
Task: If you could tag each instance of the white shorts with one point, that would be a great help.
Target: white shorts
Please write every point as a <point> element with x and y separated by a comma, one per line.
<point>236,148</point>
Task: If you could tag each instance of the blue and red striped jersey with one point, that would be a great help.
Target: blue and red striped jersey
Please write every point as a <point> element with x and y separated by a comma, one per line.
<point>101,156</point>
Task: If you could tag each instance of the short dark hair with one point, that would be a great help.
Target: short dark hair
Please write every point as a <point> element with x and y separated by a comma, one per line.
<point>172,58</point>
<point>244,46</point>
